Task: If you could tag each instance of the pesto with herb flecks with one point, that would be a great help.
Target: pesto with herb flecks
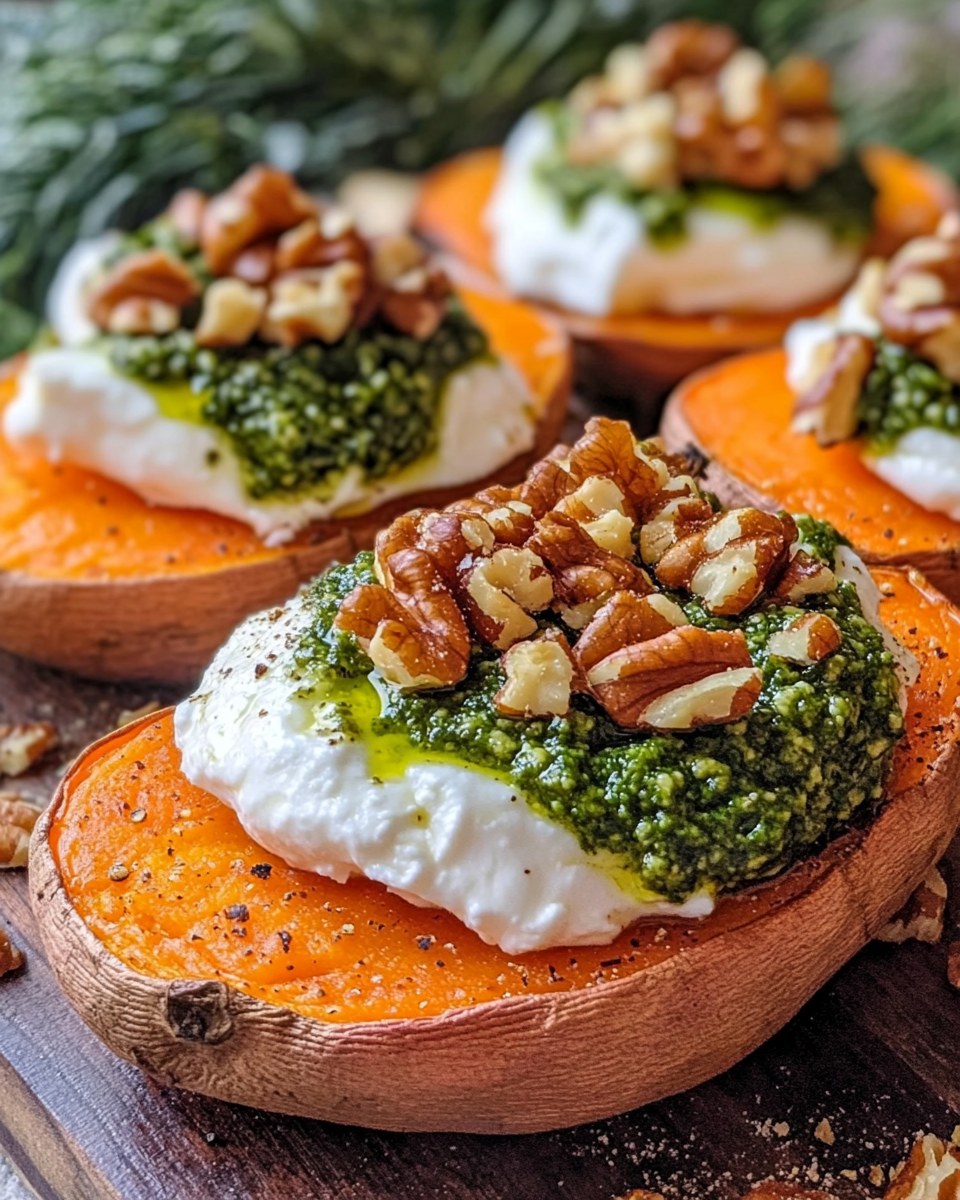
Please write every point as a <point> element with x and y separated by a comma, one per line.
<point>841,199</point>
<point>297,419</point>
<point>711,809</point>
<point>902,392</point>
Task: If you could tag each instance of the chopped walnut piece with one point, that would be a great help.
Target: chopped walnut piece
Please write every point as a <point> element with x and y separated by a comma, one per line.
<point>232,311</point>
<point>687,48</point>
<point>11,958</point>
<point>414,632</point>
<point>500,593</point>
<point>803,576</point>
<point>624,620</point>
<point>677,510</point>
<point>150,275</point>
<point>139,316</point>
<point>415,303</point>
<point>598,504</point>
<point>609,448</point>
<point>803,84</point>
<point>261,202</point>
<point>585,575</point>
<point>728,561</point>
<point>255,265</point>
<point>921,918</point>
<point>807,639</point>
<point>313,303</point>
<point>540,677</point>
<point>828,408</point>
<point>930,1172</point>
<point>17,819</point>
<point>23,744</point>
<point>320,241</point>
<point>185,213</point>
<point>683,679</point>
<point>394,256</point>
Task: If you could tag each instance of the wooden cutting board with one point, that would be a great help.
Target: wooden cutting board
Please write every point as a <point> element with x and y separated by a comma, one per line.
<point>875,1054</point>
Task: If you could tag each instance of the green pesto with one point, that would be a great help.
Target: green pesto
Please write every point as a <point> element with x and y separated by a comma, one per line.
<point>711,809</point>
<point>902,393</point>
<point>841,199</point>
<point>298,419</point>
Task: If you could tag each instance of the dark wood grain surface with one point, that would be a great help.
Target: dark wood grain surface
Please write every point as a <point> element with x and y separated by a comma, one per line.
<point>875,1054</point>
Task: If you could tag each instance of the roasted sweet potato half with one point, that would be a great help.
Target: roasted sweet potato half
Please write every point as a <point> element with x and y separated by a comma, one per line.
<point>738,415</point>
<point>96,581</point>
<point>615,354</point>
<point>216,967</point>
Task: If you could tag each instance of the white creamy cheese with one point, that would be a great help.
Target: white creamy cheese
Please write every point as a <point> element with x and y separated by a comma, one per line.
<point>72,407</point>
<point>67,297</point>
<point>438,834</point>
<point>605,263</point>
<point>924,464</point>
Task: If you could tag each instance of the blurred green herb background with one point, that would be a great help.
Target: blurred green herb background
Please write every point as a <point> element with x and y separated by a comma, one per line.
<point>106,107</point>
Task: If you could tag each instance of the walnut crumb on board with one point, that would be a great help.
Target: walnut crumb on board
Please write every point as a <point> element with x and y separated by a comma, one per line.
<point>921,918</point>
<point>11,959</point>
<point>22,744</point>
<point>126,715</point>
<point>824,1133</point>
<point>17,819</point>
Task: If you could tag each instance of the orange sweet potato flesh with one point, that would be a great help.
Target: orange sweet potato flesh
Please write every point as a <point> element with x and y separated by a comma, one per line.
<point>63,522</point>
<point>353,952</point>
<point>739,412</point>
<point>911,199</point>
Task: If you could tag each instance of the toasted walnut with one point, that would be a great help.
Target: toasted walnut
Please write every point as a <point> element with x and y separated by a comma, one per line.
<point>803,84</point>
<point>828,408</point>
<point>624,620</point>
<point>943,349</point>
<point>394,256</point>
<point>137,316</point>
<point>150,275</point>
<point>510,519</point>
<point>414,632</point>
<point>806,640</point>
<point>811,146</point>
<point>585,575</point>
<point>17,819</point>
<point>415,303</point>
<point>320,241</point>
<point>11,958</point>
<point>598,504</point>
<point>186,214</point>
<point>746,89</point>
<point>931,1172</point>
<point>261,202</point>
<point>501,591</point>
<point>627,73</point>
<point>255,265</point>
<point>23,744</point>
<point>921,918</point>
<point>540,676</point>
<point>803,576</point>
<point>314,303</point>
<point>728,562</point>
<point>687,48</point>
<point>232,311</point>
<point>683,679</point>
<point>609,448</point>
<point>677,510</point>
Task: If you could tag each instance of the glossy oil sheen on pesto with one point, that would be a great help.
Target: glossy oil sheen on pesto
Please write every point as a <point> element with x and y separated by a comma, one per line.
<point>711,809</point>
<point>297,419</point>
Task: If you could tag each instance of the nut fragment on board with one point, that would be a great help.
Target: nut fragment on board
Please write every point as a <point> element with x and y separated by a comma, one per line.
<point>24,743</point>
<point>921,918</point>
<point>17,819</point>
<point>11,958</point>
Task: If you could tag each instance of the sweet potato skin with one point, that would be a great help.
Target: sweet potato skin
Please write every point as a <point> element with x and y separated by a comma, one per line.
<point>737,413</point>
<point>137,592</point>
<point>681,1005</point>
